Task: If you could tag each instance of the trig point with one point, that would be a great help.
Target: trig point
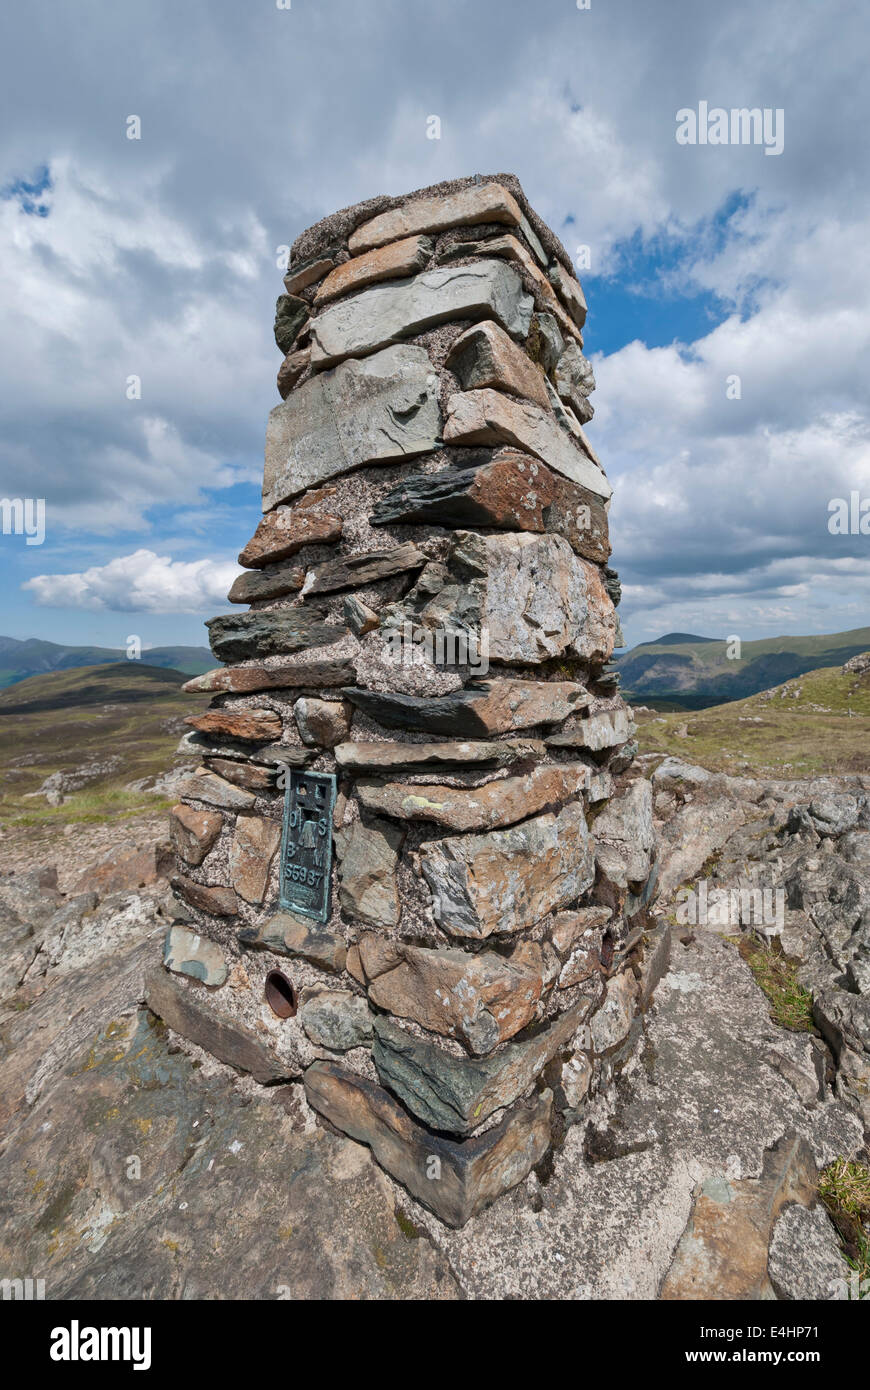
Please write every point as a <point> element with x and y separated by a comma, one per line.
<point>414,869</point>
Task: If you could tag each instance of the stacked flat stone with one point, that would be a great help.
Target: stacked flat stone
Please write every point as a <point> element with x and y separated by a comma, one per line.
<point>481,970</point>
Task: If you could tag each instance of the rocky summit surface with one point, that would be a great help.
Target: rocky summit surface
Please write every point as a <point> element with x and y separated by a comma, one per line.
<point>130,1167</point>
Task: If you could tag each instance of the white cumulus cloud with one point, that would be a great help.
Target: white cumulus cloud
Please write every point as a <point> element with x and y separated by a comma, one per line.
<point>143,582</point>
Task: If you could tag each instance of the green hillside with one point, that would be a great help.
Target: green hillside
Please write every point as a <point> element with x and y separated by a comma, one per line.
<point>817,723</point>
<point>100,728</point>
<point>19,660</point>
<point>692,671</point>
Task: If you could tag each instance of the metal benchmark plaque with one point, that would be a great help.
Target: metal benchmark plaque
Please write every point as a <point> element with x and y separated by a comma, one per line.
<point>306,844</point>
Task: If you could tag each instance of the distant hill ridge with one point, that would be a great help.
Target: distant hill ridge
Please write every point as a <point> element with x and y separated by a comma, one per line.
<point>682,665</point>
<point>112,683</point>
<point>22,658</point>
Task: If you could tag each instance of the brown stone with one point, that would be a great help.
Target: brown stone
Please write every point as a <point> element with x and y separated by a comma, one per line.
<point>302,673</point>
<point>293,367</point>
<point>323,723</point>
<point>254,845</point>
<point>359,617</point>
<point>135,869</point>
<point>217,791</point>
<point>391,757</point>
<point>365,568</point>
<point>724,1251</point>
<point>491,417</point>
<point>454,1179</point>
<point>249,725</point>
<point>484,355</point>
<point>354,964</point>
<point>495,707</point>
<point>225,1038</point>
<point>193,832</point>
<point>578,514</point>
<point>570,928</point>
<point>248,775</point>
<point>514,492</point>
<point>214,898</point>
<point>308,273</point>
<point>488,202</point>
<point>583,962</point>
<point>368,854</point>
<point>496,804</point>
<point>388,262</point>
<point>286,530</point>
<point>293,936</point>
<point>272,581</point>
<point>508,880</point>
<point>479,999</point>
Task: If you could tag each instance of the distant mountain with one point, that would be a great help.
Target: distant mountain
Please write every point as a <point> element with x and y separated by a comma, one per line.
<point>673,639</point>
<point>32,657</point>
<point>690,669</point>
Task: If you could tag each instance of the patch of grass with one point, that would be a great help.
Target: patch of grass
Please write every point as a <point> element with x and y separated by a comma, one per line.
<point>844,1188</point>
<point>115,725</point>
<point>816,723</point>
<point>93,808</point>
<point>791,1006</point>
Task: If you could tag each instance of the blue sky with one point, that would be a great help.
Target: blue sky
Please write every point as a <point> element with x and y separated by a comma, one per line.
<point>158,258</point>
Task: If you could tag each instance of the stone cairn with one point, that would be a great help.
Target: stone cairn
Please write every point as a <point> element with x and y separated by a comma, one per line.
<point>414,868</point>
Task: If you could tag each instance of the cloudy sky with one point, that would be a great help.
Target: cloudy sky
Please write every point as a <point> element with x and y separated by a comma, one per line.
<point>157,258</point>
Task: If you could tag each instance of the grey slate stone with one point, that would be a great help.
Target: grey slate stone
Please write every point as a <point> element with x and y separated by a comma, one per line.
<point>507,880</point>
<point>187,952</point>
<point>498,706</point>
<point>388,313</point>
<point>227,1039</point>
<point>277,632</point>
<point>368,567</point>
<point>453,1178</point>
<point>456,1094</point>
<point>377,411</point>
<point>574,380</point>
<point>337,1019</point>
<point>290,315</point>
<point>804,1260</point>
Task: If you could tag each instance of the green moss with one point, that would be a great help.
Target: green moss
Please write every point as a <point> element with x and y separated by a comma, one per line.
<point>407,1227</point>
